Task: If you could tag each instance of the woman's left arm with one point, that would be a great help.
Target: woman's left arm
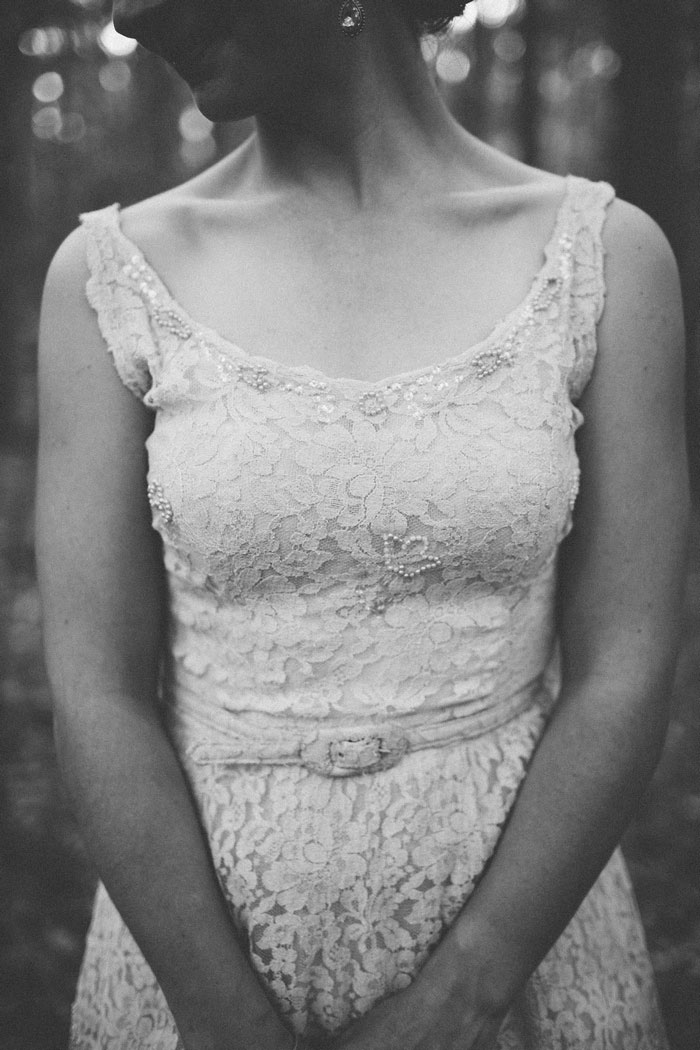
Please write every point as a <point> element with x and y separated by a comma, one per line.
<point>621,575</point>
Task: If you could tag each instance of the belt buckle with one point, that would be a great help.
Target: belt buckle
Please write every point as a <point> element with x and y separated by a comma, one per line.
<point>348,755</point>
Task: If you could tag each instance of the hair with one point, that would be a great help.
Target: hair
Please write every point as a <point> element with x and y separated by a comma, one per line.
<point>432,16</point>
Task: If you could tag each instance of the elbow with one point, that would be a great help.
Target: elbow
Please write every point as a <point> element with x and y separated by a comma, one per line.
<point>628,715</point>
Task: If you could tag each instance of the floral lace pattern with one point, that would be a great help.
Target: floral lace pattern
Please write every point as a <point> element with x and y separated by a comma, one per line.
<point>340,551</point>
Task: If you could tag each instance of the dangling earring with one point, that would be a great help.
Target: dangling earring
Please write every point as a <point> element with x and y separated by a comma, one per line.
<point>351,17</point>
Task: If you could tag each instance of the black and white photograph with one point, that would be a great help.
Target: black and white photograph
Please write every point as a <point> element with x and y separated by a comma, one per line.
<point>349,525</point>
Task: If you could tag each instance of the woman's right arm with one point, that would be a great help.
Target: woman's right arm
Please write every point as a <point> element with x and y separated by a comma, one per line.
<point>101,581</point>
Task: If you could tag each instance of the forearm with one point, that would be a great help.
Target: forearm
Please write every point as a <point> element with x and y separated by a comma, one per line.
<point>143,832</point>
<point>586,776</point>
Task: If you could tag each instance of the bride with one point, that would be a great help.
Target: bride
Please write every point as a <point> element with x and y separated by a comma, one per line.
<point>361,640</point>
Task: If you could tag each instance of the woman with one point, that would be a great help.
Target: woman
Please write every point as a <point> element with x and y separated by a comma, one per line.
<point>299,750</point>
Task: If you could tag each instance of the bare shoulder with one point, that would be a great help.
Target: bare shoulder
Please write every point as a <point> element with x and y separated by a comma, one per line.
<point>78,382</point>
<point>636,246</point>
<point>641,333</point>
<point>632,448</point>
<point>68,270</point>
<point>68,325</point>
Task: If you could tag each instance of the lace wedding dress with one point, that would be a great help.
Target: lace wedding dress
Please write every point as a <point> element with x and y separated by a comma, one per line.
<point>362,647</point>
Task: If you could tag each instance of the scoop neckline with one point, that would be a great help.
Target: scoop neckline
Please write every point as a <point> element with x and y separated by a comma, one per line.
<point>507,324</point>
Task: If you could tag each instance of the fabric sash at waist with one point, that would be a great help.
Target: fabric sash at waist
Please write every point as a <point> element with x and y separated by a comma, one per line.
<point>340,748</point>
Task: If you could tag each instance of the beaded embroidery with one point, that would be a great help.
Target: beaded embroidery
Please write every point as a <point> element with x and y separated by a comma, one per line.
<point>417,392</point>
<point>171,320</point>
<point>159,502</point>
<point>258,378</point>
<point>406,559</point>
<point>489,361</point>
<point>372,403</point>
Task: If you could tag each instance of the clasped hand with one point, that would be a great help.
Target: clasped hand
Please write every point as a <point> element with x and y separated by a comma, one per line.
<point>423,1017</point>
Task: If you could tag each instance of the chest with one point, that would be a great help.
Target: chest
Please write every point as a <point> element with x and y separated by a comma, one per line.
<point>363,300</point>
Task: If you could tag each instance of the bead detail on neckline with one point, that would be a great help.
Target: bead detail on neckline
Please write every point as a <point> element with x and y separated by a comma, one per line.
<point>414,393</point>
<point>257,377</point>
<point>174,323</point>
<point>489,361</point>
<point>160,503</point>
<point>372,403</point>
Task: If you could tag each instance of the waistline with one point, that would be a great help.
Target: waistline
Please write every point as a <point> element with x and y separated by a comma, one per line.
<point>345,749</point>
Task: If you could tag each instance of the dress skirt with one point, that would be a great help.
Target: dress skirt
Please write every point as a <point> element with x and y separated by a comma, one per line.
<point>340,889</point>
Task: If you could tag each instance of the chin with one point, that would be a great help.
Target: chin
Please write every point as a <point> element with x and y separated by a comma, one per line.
<point>218,102</point>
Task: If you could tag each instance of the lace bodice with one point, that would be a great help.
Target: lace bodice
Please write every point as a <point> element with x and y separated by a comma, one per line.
<point>334,545</point>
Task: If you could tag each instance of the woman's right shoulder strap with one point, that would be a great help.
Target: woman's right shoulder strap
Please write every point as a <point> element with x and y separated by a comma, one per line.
<point>121,314</point>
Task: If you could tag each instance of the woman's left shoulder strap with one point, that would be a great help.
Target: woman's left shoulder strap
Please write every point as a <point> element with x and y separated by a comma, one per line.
<point>589,206</point>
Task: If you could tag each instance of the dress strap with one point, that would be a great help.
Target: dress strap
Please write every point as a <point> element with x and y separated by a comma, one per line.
<point>590,201</point>
<point>121,314</point>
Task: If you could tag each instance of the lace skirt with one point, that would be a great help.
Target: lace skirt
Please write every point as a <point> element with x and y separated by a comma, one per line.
<point>341,887</point>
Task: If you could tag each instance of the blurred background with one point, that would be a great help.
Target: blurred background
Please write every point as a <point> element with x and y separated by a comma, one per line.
<point>603,88</point>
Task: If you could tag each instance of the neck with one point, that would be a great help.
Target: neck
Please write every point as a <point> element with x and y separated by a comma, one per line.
<point>366,122</point>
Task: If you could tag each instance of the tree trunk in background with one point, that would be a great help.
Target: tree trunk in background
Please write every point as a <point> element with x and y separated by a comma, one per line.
<point>690,268</point>
<point>12,207</point>
<point>529,103</point>
<point>20,274</point>
<point>658,43</point>
<point>468,103</point>
<point>644,35</point>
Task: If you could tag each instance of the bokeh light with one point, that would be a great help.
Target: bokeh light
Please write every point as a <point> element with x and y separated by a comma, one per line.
<point>495,13</point>
<point>452,65</point>
<point>194,126</point>
<point>115,75</point>
<point>509,45</point>
<point>44,42</point>
<point>48,87</point>
<point>47,122</point>
<point>463,23</point>
<point>50,124</point>
<point>605,62</point>
<point>113,43</point>
<point>596,59</point>
<point>198,146</point>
